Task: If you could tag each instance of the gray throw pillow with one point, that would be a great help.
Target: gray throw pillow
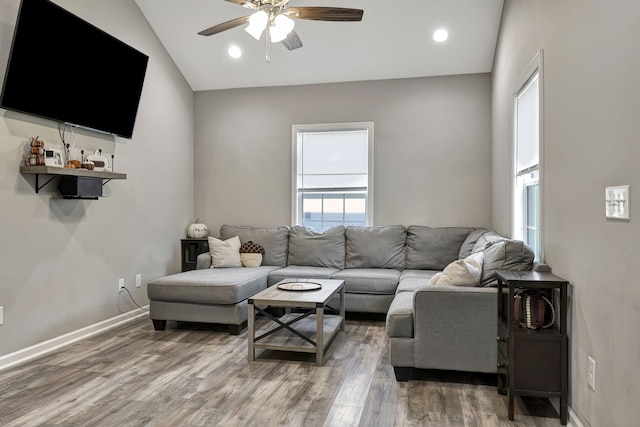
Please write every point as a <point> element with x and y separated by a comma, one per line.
<point>433,248</point>
<point>317,249</point>
<point>470,242</point>
<point>505,254</point>
<point>376,247</point>
<point>274,240</point>
<point>484,239</point>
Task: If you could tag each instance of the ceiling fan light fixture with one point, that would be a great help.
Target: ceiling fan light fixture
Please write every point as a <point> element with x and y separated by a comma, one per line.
<point>257,24</point>
<point>282,26</point>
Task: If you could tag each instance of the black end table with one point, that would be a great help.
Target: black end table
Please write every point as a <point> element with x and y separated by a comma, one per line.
<point>532,362</point>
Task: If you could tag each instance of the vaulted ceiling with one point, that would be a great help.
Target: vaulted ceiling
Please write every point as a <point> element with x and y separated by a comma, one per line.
<point>393,40</point>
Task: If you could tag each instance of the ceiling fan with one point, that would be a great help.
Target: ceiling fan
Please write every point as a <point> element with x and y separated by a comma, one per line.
<point>274,18</point>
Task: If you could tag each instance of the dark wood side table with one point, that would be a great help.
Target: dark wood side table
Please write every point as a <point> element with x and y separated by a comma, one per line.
<point>533,362</point>
<point>191,248</point>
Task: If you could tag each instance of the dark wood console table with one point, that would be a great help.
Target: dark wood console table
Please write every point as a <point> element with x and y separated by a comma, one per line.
<point>533,362</point>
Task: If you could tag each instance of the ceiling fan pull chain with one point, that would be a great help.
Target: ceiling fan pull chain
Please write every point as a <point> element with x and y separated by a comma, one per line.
<point>267,45</point>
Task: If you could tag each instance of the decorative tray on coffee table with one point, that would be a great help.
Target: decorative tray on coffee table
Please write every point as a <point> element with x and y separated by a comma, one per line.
<point>300,286</point>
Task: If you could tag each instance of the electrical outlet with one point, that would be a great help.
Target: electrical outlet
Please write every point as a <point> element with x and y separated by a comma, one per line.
<point>1,315</point>
<point>591,373</point>
<point>138,280</point>
<point>120,285</point>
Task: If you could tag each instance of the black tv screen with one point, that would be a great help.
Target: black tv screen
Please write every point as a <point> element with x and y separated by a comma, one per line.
<point>66,69</point>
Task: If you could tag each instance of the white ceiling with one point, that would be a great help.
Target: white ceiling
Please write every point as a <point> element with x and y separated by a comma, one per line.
<point>393,40</point>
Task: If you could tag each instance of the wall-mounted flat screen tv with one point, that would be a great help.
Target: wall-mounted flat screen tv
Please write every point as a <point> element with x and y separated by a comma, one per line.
<point>65,69</point>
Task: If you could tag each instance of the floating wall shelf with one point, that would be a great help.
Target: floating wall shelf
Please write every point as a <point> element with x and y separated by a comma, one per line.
<point>55,172</point>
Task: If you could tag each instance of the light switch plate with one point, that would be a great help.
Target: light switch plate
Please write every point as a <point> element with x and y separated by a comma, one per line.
<point>616,201</point>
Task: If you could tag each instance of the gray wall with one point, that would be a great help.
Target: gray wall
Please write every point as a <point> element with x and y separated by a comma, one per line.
<point>60,259</point>
<point>591,106</point>
<point>432,148</point>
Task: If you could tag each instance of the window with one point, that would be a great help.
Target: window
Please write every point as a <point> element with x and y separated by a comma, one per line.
<point>332,175</point>
<point>527,200</point>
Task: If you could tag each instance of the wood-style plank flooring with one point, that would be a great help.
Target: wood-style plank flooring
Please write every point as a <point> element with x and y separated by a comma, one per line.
<point>198,375</point>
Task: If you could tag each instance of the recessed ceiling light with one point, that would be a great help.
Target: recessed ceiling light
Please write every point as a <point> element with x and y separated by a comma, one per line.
<point>235,52</point>
<point>440,35</point>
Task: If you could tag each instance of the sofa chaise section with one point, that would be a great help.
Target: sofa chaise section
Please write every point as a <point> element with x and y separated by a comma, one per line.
<point>206,295</point>
<point>218,295</point>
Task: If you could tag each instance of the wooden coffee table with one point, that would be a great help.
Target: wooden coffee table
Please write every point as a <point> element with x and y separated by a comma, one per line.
<point>310,330</point>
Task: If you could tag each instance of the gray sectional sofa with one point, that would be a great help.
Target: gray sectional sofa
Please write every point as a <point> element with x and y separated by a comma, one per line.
<point>386,270</point>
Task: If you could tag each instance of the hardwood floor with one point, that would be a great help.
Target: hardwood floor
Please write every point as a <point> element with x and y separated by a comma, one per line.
<point>198,375</point>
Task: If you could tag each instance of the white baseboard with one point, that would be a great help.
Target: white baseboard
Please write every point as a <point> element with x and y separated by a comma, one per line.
<point>42,348</point>
<point>573,420</point>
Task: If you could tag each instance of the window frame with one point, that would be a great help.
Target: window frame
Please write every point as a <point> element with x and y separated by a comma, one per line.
<point>296,214</point>
<point>521,180</point>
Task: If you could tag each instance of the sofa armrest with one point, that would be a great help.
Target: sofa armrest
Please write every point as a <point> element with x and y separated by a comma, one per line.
<point>455,328</point>
<point>203,261</point>
<point>540,267</point>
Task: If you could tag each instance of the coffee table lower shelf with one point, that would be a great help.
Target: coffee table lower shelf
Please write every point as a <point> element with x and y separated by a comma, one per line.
<point>285,340</point>
<point>306,329</point>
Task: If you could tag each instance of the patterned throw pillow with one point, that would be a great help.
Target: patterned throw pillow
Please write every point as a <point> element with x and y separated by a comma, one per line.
<point>251,254</point>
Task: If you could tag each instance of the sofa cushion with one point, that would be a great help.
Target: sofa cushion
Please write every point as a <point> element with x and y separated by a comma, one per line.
<point>417,274</point>
<point>461,272</point>
<point>224,253</point>
<point>318,249</point>
<point>412,283</point>
<point>379,281</point>
<point>375,247</point>
<point>484,239</point>
<point>470,242</point>
<point>300,272</point>
<point>275,241</point>
<point>399,322</point>
<point>505,255</point>
<point>434,248</point>
<point>210,286</point>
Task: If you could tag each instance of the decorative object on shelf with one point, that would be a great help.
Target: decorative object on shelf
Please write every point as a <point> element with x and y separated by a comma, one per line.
<point>36,156</point>
<point>197,230</point>
<point>100,162</point>
<point>53,157</point>
<point>617,202</point>
<point>74,164</point>
<point>251,254</point>
<point>533,310</point>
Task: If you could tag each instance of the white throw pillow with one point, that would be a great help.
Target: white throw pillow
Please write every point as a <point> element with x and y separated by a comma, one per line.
<point>225,253</point>
<point>462,272</point>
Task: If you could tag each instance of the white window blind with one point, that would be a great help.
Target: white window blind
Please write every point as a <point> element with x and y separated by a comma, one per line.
<point>527,127</point>
<point>527,195</point>
<point>333,160</point>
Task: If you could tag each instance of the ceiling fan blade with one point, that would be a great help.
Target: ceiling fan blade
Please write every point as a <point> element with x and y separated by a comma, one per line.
<point>246,3</point>
<point>292,41</point>
<point>326,13</point>
<point>224,26</point>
